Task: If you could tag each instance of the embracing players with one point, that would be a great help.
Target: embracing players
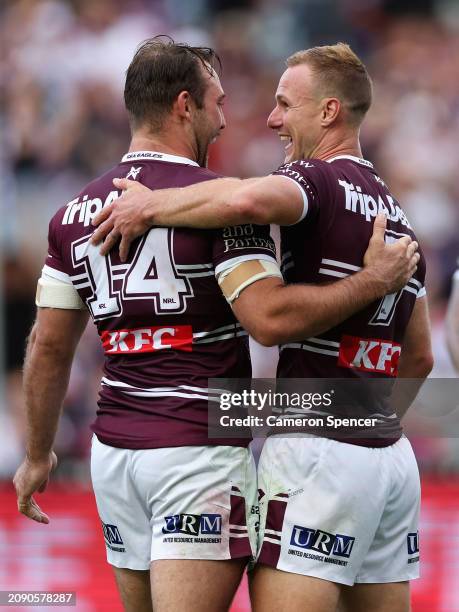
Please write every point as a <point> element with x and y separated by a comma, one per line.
<point>169,498</point>
<point>339,518</point>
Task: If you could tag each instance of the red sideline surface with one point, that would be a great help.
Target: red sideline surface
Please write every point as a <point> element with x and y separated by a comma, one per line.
<point>69,553</point>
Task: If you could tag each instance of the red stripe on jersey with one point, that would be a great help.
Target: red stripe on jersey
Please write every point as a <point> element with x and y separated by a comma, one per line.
<point>147,339</point>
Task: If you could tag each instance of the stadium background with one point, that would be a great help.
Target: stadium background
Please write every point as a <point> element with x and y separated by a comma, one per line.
<point>62,122</point>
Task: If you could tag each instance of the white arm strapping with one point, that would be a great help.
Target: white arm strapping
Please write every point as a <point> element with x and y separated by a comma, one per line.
<point>233,280</point>
<point>53,293</point>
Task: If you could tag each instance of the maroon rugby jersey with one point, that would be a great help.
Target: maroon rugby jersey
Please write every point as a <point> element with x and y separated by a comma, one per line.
<point>162,319</point>
<point>344,196</point>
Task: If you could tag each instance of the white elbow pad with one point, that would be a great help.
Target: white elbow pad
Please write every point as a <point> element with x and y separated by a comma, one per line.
<point>233,280</point>
<point>54,293</point>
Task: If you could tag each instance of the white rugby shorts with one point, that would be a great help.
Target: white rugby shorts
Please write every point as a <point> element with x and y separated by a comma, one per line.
<point>192,502</point>
<point>340,512</point>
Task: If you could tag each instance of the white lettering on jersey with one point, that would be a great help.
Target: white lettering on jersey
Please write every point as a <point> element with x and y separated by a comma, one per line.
<point>152,275</point>
<point>366,205</point>
<point>147,339</point>
<point>361,357</point>
<point>242,237</point>
<point>289,170</point>
<point>87,209</point>
<point>369,355</point>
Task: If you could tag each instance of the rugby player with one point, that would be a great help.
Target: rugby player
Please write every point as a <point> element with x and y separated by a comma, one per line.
<point>339,519</point>
<point>452,322</point>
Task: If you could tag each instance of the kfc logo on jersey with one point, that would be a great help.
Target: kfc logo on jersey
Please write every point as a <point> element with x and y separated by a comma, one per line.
<point>339,545</point>
<point>193,524</point>
<point>147,339</point>
<point>369,355</point>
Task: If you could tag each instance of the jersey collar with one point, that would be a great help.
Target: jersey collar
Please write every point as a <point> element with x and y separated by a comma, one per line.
<point>358,160</point>
<point>154,155</point>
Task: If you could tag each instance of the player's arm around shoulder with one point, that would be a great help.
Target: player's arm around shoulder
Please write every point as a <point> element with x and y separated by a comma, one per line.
<point>271,199</point>
<point>207,205</point>
<point>274,313</point>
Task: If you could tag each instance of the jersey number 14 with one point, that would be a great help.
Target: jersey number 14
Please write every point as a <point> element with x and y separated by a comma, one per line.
<point>152,275</point>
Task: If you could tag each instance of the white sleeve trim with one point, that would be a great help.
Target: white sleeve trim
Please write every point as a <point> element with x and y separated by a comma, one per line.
<point>456,276</point>
<point>62,276</point>
<point>305,200</point>
<point>229,263</point>
<point>421,293</point>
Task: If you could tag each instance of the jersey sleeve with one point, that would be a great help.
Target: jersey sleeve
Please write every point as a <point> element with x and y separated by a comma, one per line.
<point>418,281</point>
<point>233,245</point>
<point>54,264</point>
<point>308,175</point>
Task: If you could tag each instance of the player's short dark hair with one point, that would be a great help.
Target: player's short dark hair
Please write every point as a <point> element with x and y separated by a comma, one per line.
<point>339,72</point>
<point>159,71</point>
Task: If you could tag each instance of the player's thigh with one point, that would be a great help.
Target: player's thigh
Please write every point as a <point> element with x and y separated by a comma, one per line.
<point>134,589</point>
<point>272,590</point>
<point>391,597</point>
<point>194,585</point>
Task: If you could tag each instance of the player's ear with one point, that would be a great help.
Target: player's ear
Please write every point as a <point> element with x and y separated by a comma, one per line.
<point>182,105</point>
<point>330,111</point>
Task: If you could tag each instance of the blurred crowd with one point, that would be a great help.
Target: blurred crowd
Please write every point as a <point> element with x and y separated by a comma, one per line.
<point>62,122</point>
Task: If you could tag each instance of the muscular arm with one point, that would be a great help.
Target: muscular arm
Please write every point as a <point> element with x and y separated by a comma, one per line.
<point>274,313</point>
<point>211,204</point>
<point>226,201</point>
<point>416,360</point>
<point>452,323</point>
<point>49,356</point>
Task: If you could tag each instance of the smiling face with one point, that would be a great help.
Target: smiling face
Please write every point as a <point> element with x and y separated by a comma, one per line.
<point>208,121</point>
<point>297,114</point>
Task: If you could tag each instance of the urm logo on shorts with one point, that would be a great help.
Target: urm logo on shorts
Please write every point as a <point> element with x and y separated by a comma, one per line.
<point>412,541</point>
<point>194,524</point>
<point>112,534</point>
<point>323,542</point>
<point>113,539</point>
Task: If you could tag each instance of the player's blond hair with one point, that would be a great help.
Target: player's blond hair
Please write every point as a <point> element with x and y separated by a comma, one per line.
<point>339,73</point>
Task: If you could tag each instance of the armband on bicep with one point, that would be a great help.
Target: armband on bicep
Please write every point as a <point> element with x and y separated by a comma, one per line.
<point>54,293</point>
<point>233,280</point>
